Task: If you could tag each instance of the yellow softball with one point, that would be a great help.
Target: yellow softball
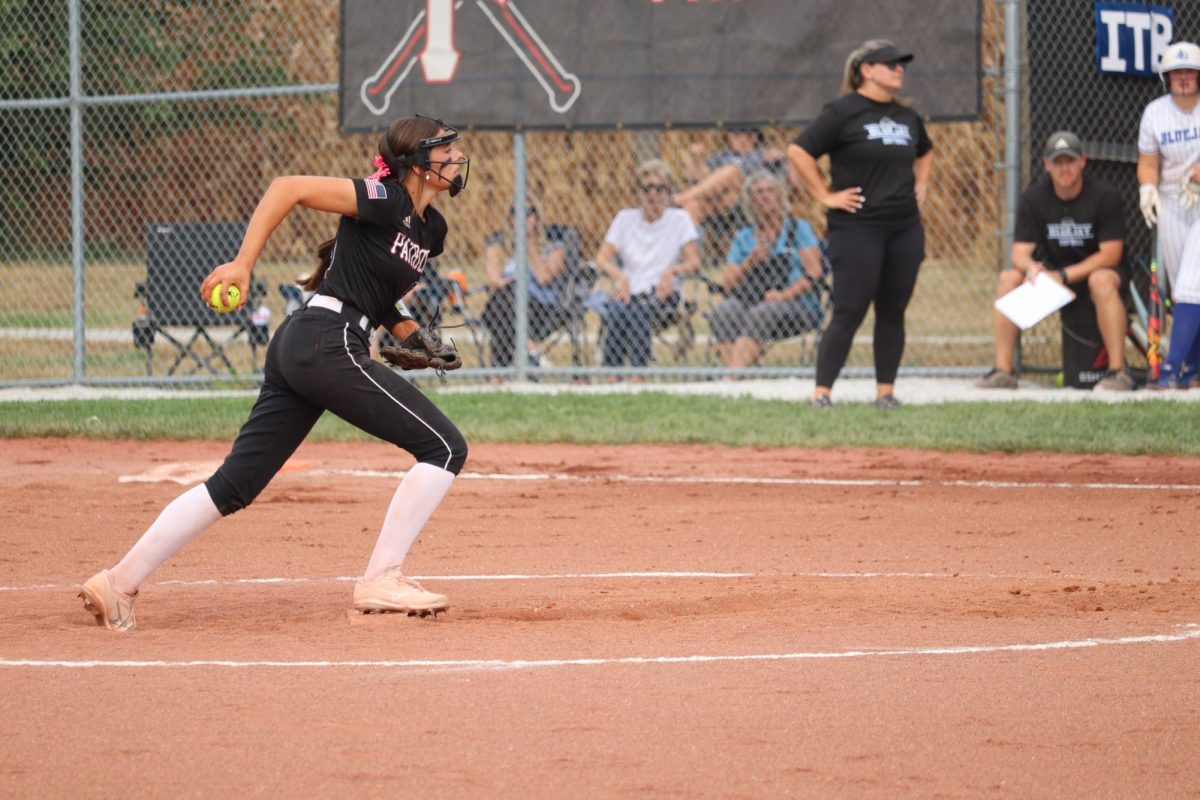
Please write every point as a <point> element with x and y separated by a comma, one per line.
<point>235,295</point>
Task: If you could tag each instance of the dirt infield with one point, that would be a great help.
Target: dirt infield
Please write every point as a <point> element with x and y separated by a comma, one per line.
<point>626,622</point>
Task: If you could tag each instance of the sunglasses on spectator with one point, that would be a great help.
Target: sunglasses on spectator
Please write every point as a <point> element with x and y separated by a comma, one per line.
<point>655,187</point>
<point>893,65</point>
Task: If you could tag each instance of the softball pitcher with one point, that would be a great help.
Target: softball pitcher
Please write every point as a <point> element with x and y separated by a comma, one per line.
<point>1168,174</point>
<point>319,360</point>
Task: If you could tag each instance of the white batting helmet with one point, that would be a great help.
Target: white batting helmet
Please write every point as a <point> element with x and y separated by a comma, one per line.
<point>1179,55</point>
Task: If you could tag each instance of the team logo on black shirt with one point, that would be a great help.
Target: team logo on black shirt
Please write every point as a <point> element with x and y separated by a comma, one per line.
<point>410,251</point>
<point>1069,233</point>
<point>888,131</point>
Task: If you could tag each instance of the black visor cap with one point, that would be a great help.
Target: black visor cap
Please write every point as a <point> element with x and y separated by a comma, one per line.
<point>888,54</point>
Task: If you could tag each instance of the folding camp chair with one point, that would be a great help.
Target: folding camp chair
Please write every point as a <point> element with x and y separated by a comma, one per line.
<point>178,258</point>
<point>574,288</point>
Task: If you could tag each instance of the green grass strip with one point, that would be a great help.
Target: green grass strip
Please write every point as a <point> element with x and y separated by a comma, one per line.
<point>1149,428</point>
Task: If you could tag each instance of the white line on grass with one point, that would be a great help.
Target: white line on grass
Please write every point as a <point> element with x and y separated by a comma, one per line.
<point>1192,632</point>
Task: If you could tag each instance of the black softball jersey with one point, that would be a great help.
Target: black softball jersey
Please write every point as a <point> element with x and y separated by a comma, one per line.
<point>871,145</point>
<point>1066,232</point>
<point>380,254</point>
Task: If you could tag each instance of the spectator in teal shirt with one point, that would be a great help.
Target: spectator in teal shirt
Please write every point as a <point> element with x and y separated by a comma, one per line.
<point>770,277</point>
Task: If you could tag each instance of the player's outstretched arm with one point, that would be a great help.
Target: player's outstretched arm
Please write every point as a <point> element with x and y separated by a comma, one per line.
<point>335,195</point>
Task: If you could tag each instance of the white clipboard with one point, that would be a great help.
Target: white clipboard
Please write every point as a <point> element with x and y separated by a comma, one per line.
<point>1033,301</point>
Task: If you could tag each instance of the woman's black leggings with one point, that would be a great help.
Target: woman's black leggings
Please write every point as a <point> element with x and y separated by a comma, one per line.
<point>870,265</point>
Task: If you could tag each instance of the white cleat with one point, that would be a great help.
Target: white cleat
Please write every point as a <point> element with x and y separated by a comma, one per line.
<point>393,592</point>
<point>112,609</point>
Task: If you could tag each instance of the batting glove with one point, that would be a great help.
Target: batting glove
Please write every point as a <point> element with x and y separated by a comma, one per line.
<point>1148,202</point>
<point>1191,193</point>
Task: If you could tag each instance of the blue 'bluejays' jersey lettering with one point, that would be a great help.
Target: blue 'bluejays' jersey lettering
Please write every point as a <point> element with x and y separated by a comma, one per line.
<point>1177,136</point>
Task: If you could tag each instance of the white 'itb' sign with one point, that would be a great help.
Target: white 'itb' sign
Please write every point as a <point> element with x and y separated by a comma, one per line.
<point>607,63</point>
<point>1131,37</point>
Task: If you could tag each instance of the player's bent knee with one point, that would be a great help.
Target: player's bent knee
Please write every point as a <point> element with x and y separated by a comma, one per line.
<point>229,497</point>
<point>448,450</point>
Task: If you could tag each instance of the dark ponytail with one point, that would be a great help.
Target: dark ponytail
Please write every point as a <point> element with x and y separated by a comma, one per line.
<point>324,258</point>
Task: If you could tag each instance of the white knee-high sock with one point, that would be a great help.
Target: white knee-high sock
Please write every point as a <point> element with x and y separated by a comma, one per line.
<point>184,518</point>
<point>414,502</point>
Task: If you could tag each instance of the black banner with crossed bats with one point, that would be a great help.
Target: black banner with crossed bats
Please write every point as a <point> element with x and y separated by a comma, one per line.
<point>605,63</point>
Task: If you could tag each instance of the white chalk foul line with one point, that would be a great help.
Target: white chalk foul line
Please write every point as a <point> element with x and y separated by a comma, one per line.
<point>736,480</point>
<point>544,577</point>
<point>568,576</point>
<point>1192,632</point>
<point>187,473</point>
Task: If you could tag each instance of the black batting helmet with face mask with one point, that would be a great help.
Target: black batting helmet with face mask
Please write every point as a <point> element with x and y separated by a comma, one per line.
<point>421,157</point>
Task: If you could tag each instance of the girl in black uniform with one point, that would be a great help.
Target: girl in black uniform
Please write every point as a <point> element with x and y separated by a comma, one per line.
<point>319,360</point>
<point>880,162</point>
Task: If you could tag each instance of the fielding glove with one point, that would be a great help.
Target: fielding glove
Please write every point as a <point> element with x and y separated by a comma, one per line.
<point>423,350</point>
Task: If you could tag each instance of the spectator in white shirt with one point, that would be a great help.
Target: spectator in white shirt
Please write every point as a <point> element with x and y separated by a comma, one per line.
<point>645,252</point>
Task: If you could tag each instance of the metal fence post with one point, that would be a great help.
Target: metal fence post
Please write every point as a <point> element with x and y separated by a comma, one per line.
<point>77,282</point>
<point>521,257</point>
<point>1012,139</point>
<point>1012,122</point>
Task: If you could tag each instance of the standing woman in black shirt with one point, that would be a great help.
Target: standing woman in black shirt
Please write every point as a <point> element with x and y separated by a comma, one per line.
<point>880,162</point>
<point>319,360</point>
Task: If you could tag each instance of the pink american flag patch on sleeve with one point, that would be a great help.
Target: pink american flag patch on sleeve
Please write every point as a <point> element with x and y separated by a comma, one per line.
<point>375,190</point>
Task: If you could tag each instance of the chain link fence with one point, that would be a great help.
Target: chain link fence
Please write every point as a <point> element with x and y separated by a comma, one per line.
<point>140,136</point>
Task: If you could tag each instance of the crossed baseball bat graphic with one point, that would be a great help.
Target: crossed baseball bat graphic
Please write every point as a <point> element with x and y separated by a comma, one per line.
<point>434,28</point>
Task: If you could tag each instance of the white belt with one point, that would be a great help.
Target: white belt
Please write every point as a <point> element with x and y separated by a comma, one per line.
<point>334,305</point>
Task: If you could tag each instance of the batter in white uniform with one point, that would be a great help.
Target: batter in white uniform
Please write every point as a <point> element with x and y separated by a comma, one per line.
<point>1168,172</point>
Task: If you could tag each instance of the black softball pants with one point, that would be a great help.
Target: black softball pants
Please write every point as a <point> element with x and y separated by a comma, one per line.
<point>320,360</point>
<point>870,265</point>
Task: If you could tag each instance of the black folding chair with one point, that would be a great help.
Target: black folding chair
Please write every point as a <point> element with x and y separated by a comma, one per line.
<point>178,257</point>
<point>574,288</point>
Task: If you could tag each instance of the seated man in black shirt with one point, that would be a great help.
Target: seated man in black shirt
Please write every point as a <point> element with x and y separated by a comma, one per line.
<point>1071,226</point>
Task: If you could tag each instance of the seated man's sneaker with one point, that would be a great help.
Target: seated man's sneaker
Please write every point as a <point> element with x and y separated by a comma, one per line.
<point>112,609</point>
<point>391,591</point>
<point>1116,380</point>
<point>997,379</point>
